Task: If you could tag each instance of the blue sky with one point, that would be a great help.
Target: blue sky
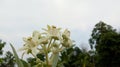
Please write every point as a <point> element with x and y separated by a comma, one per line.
<point>19,18</point>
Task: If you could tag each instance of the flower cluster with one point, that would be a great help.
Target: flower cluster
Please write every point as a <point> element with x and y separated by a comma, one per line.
<point>52,40</point>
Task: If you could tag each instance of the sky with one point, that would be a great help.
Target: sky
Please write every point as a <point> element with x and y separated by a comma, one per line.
<point>19,18</point>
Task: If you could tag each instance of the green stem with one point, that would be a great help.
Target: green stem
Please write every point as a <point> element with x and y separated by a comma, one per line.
<point>46,55</point>
<point>46,50</point>
<point>84,65</point>
<point>49,43</point>
<point>47,59</point>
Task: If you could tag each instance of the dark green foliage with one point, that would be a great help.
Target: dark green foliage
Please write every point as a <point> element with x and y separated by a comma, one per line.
<point>105,42</point>
<point>41,57</point>
<point>32,61</point>
<point>100,29</point>
<point>109,50</point>
<point>67,57</point>
<point>75,57</point>
<point>25,64</point>
<point>8,60</point>
<point>2,44</point>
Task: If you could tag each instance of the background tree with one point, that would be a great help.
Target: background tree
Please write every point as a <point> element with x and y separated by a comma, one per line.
<point>100,29</point>
<point>105,41</point>
<point>6,60</point>
<point>32,61</point>
<point>75,57</point>
<point>2,44</point>
<point>109,50</point>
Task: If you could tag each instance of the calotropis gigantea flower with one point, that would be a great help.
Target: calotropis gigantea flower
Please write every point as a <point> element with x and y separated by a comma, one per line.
<point>31,43</point>
<point>50,43</point>
<point>53,32</point>
<point>36,37</point>
<point>29,46</point>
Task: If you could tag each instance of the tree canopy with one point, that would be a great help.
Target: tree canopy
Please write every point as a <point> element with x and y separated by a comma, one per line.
<point>106,42</point>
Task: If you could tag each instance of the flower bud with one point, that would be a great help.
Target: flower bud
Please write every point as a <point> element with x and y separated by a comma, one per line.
<point>66,34</point>
<point>43,40</point>
<point>67,43</point>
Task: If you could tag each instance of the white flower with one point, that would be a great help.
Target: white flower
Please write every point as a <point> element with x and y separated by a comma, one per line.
<point>31,43</point>
<point>29,46</point>
<point>53,32</point>
<point>36,37</point>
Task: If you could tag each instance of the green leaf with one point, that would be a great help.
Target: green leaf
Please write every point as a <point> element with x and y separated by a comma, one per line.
<point>20,64</point>
<point>25,63</point>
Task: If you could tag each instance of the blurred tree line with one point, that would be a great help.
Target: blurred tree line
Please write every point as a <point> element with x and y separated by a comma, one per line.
<point>7,59</point>
<point>105,51</point>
